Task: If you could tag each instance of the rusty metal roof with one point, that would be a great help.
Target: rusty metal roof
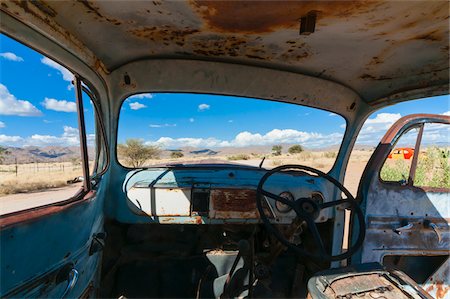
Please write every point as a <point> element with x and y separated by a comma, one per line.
<point>379,49</point>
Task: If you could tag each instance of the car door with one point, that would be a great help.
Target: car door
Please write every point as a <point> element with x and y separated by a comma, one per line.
<point>407,203</point>
<point>54,250</point>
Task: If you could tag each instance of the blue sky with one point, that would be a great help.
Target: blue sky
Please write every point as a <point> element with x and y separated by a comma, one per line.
<point>37,107</point>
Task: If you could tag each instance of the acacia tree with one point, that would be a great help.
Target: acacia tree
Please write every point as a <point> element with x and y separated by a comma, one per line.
<point>136,153</point>
<point>295,149</point>
<point>176,155</point>
<point>276,150</point>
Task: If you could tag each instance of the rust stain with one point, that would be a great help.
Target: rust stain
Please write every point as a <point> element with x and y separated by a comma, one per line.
<point>236,200</point>
<point>371,77</point>
<point>93,9</point>
<point>432,36</point>
<point>235,203</point>
<point>441,289</point>
<point>44,13</point>
<point>268,16</point>
<point>44,8</point>
<point>163,34</point>
<point>222,45</point>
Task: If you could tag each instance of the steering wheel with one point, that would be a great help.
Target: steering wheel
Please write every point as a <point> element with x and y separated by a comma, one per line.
<point>308,210</point>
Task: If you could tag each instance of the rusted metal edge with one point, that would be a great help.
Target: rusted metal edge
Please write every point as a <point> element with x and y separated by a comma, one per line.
<point>412,119</point>
<point>407,95</point>
<point>34,214</point>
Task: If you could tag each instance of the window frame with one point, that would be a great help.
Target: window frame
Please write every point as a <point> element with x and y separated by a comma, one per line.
<point>410,182</point>
<point>87,192</point>
<point>122,102</point>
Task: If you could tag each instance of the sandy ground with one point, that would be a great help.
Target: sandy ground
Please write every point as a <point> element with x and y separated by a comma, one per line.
<point>21,201</point>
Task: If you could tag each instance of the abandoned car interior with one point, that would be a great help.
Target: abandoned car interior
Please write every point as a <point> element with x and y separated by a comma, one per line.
<point>222,229</point>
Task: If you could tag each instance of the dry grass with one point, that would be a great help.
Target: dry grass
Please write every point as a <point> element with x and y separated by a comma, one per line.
<point>32,177</point>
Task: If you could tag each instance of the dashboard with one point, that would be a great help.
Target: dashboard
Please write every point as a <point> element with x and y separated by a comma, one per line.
<point>218,194</point>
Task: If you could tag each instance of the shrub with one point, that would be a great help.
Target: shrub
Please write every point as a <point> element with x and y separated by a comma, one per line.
<point>239,157</point>
<point>398,172</point>
<point>433,169</point>
<point>3,153</point>
<point>295,149</point>
<point>330,154</point>
<point>176,155</point>
<point>306,155</point>
<point>276,150</point>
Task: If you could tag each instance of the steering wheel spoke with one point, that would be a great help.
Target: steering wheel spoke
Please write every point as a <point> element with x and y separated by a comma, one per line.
<point>316,235</point>
<point>334,203</point>
<point>281,199</point>
<point>307,210</point>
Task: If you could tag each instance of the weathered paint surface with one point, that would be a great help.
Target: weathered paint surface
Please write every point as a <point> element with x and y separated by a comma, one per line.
<point>379,38</point>
<point>438,285</point>
<point>368,286</point>
<point>232,194</point>
<point>390,206</point>
<point>233,203</point>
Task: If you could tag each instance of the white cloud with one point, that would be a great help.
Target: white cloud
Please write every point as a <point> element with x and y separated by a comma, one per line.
<point>203,107</point>
<point>374,128</point>
<point>446,113</point>
<point>230,120</point>
<point>332,114</point>
<point>136,106</point>
<point>49,121</point>
<point>11,56</point>
<point>342,126</point>
<point>62,106</point>
<point>65,73</point>
<point>192,142</point>
<point>191,120</point>
<point>436,134</point>
<point>2,124</point>
<point>10,140</point>
<point>276,136</point>
<point>162,125</point>
<point>141,96</point>
<point>384,118</point>
<point>10,105</point>
<point>69,137</point>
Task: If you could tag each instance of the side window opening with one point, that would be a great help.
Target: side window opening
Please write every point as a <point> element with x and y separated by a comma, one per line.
<point>377,125</point>
<point>420,158</point>
<point>397,166</point>
<point>433,162</point>
<point>40,154</point>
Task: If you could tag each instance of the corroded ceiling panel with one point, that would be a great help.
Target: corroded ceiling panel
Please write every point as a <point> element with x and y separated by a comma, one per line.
<point>377,48</point>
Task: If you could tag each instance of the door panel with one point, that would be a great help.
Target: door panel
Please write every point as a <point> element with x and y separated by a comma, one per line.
<point>404,220</point>
<point>35,254</point>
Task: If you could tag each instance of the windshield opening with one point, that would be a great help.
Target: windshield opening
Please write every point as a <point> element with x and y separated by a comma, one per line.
<point>157,129</point>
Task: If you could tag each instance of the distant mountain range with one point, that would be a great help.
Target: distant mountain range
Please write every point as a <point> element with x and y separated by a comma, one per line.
<point>32,154</point>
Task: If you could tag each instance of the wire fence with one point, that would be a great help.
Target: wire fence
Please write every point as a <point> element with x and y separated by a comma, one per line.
<point>37,167</point>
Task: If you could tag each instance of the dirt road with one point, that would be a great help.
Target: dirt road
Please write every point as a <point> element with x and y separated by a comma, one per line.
<point>21,201</point>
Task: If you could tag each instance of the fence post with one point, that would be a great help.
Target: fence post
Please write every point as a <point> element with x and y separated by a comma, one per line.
<point>16,165</point>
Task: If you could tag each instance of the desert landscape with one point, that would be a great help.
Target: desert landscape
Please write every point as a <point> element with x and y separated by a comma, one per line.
<point>31,177</point>
<point>36,176</point>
